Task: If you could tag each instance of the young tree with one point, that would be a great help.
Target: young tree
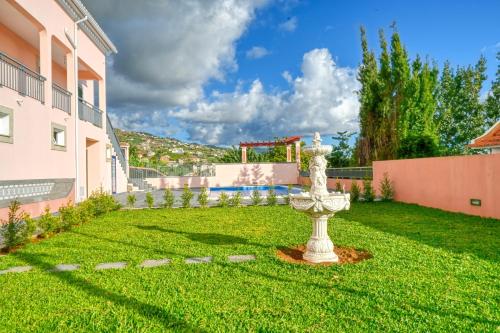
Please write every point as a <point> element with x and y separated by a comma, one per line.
<point>341,154</point>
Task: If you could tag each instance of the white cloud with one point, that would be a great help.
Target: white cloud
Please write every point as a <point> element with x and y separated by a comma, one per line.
<point>322,99</point>
<point>290,24</point>
<point>169,49</point>
<point>257,52</point>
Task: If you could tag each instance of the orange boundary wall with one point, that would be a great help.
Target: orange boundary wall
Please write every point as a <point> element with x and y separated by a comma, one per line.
<point>446,183</point>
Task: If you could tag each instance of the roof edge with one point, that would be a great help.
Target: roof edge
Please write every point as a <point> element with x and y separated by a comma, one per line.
<point>76,10</point>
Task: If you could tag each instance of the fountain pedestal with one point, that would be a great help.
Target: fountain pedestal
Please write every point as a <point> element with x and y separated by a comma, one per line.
<point>319,204</point>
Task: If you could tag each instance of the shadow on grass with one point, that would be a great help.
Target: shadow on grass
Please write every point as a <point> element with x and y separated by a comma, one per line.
<point>129,244</point>
<point>205,238</point>
<point>149,311</point>
<point>454,232</point>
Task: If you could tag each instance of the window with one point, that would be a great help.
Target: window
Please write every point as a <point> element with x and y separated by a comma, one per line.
<point>58,137</point>
<point>6,125</point>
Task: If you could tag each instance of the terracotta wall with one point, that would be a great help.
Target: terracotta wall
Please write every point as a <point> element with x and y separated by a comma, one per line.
<point>236,175</point>
<point>446,183</point>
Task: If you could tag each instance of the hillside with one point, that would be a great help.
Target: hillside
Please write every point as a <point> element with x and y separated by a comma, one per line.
<point>147,149</point>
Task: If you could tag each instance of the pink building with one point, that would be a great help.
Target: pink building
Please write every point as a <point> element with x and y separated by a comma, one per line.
<point>56,140</point>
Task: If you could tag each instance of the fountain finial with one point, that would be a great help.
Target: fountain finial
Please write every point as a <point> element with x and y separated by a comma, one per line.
<point>316,139</point>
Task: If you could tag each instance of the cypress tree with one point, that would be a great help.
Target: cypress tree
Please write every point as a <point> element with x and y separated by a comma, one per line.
<point>367,76</point>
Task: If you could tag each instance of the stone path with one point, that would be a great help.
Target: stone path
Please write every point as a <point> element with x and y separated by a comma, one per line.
<point>110,265</point>
<point>198,260</point>
<point>121,265</point>
<point>241,258</point>
<point>154,263</point>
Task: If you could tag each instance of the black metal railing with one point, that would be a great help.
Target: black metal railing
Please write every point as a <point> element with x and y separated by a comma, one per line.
<point>61,98</point>
<point>346,173</point>
<point>89,112</point>
<point>116,145</point>
<point>18,77</point>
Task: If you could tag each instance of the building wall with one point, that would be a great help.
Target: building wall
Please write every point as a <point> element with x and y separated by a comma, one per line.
<point>447,183</point>
<point>17,48</point>
<point>237,174</point>
<point>30,155</point>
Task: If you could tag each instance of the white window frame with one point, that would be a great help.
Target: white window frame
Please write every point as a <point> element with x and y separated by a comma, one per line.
<point>6,112</point>
<point>59,128</point>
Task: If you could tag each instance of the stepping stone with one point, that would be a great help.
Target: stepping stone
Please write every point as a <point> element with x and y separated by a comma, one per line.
<point>241,258</point>
<point>17,269</point>
<point>65,268</point>
<point>154,263</point>
<point>198,260</point>
<point>111,265</point>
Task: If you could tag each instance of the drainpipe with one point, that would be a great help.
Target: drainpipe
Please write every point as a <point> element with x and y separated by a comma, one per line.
<point>74,43</point>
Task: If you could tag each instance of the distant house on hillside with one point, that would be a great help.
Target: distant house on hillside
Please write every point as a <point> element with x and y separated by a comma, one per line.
<point>489,140</point>
<point>177,151</point>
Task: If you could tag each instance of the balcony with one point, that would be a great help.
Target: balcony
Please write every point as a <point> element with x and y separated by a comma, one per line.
<point>61,99</point>
<point>16,76</point>
<point>90,113</point>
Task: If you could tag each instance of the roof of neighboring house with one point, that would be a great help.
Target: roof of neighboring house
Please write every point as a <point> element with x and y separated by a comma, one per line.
<point>76,10</point>
<point>489,139</point>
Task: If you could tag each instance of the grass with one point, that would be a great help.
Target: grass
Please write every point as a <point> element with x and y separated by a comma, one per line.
<point>431,271</point>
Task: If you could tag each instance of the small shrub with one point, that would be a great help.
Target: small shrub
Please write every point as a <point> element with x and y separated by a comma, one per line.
<point>289,191</point>
<point>168,198</point>
<point>102,202</point>
<point>203,197</point>
<point>48,223</point>
<point>150,201</point>
<point>131,199</point>
<point>18,228</point>
<point>355,191</point>
<point>223,199</point>
<point>272,200</point>
<point>85,213</point>
<point>256,197</point>
<point>235,200</point>
<point>70,216</point>
<point>186,197</point>
<point>386,188</point>
<point>368,194</point>
<point>338,186</point>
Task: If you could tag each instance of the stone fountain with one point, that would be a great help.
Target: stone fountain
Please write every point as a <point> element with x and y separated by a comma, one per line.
<point>319,204</point>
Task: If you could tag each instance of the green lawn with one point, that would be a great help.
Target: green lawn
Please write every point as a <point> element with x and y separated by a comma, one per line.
<point>431,271</point>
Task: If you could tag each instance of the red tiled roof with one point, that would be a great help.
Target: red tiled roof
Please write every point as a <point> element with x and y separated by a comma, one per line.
<point>489,139</point>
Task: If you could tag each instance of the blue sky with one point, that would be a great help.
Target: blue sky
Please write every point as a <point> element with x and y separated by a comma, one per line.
<point>227,67</point>
<point>459,31</point>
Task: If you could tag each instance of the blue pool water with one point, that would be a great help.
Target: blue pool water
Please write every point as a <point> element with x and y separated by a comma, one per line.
<point>247,190</point>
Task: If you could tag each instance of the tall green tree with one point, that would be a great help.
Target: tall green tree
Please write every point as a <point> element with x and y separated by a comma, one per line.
<point>492,105</point>
<point>368,98</point>
<point>400,76</point>
<point>460,114</point>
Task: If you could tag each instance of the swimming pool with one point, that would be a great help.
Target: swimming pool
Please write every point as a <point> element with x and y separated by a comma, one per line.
<point>247,190</point>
